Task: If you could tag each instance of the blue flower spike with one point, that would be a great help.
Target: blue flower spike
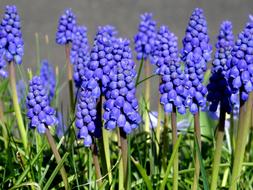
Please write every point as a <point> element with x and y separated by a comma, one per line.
<point>39,112</point>
<point>121,105</point>
<point>66,27</point>
<point>146,36</point>
<point>166,57</point>
<point>241,64</point>
<point>11,41</point>
<point>196,53</point>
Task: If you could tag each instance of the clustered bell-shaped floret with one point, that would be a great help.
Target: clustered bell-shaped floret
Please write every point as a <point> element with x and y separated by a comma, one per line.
<point>39,112</point>
<point>196,53</point>
<point>121,105</point>
<point>47,75</point>
<point>66,27</point>
<point>218,89</point>
<point>241,65</point>
<point>146,36</point>
<point>86,113</point>
<point>11,41</point>
<point>173,92</point>
<point>79,55</point>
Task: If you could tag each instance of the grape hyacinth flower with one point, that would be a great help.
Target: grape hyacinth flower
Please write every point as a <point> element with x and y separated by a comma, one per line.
<point>196,53</point>
<point>86,113</point>
<point>121,105</point>
<point>166,58</point>
<point>241,64</point>
<point>79,55</point>
<point>11,40</point>
<point>218,89</point>
<point>145,38</point>
<point>64,36</point>
<point>66,27</point>
<point>39,112</point>
<point>219,93</point>
<point>12,51</point>
<point>47,76</point>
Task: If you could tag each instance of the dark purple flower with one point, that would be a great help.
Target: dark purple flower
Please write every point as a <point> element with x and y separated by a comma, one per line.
<point>11,41</point>
<point>39,112</point>
<point>3,71</point>
<point>218,89</point>
<point>196,53</point>
<point>146,36</point>
<point>66,27</point>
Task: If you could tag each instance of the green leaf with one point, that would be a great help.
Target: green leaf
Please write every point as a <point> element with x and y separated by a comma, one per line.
<point>20,179</point>
<point>143,173</point>
<point>56,170</point>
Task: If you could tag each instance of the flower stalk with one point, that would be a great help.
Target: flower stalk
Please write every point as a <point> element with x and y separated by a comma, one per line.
<point>147,70</point>
<point>174,140</point>
<point>69,75</point>
<point>57,157</point>
<point>241,140</point>
<point>17,110</point>
<point>197,161</point>
<point>218,149</point>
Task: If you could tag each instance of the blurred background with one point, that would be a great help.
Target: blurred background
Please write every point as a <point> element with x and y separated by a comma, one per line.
<point>41,16</point>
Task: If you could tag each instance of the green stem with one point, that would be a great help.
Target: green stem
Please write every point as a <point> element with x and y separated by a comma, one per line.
<point>147,70</point>
<point>139,72</point>
<point>217,153</point>
<point>16,105</point>
<point>124,153</point>
<point>4,131</point>
<point>70,78</point>
<point>96,163</point>
<point>121,167</point>
<point>158,127</point>
<point>165,139</point>
<point>174,140</point>
<point>197,164</point>
<point>241,140</point>
<point>57,157</point>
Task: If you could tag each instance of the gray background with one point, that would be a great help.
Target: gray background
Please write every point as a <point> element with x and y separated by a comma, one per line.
<point>42,16</point>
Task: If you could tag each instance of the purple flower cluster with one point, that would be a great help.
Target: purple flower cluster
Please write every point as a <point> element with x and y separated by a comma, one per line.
<point>79,55</point>
<point>91,74</point>
<point>218,88</point>
<point>11,41</point>
<point>47,76</point>
<point>121,104</point>
<point>173,92</point>
<point>196,53</point>
<point>146,36</point>
<point>66,27</point>
<point>39,112</point>
<point>86,113</point>
<point>241,65</point>
<point>101,54</point>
